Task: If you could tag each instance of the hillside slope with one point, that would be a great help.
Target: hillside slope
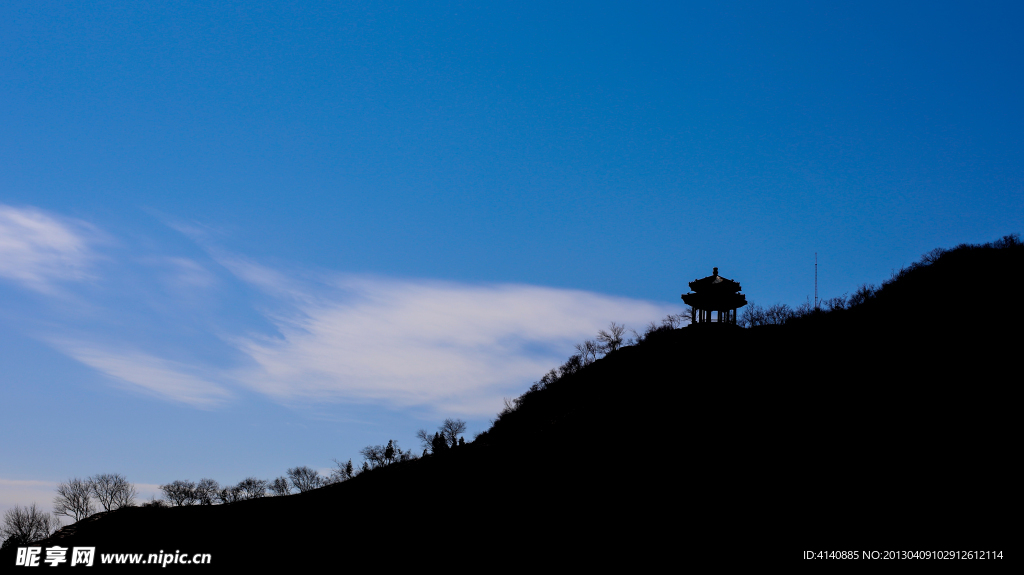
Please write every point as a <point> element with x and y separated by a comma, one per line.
<point>887,425</point>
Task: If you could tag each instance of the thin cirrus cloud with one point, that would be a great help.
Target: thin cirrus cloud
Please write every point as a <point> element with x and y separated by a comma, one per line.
<point>24,492</point>
<point>322,337</point>
<point>191,384</point>
<point>457,348</point>
<point>435,346</point>
<point>38,249</point>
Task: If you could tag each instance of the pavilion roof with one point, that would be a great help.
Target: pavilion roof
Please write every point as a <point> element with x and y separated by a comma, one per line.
<point>715,283</point>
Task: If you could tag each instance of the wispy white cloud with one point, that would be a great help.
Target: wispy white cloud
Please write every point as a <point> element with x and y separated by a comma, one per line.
<point>25,492</point>
<point>301,337</point>
<point>37,249</point>
<point>192,384</point>
<point>275,283</point>
<point>455,347</point>
<point>442,347</point>
<point>188,273</point>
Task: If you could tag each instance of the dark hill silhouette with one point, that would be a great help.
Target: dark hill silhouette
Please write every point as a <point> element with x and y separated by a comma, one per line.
<point>884,426</point>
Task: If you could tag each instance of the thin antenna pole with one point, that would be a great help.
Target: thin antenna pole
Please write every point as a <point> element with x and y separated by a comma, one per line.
<point>815,280</point>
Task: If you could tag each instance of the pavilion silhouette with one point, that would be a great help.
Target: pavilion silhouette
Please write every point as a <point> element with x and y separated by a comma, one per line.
<point>714,294</point>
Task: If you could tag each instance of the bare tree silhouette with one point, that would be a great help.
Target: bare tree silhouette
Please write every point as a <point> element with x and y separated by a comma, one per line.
<point>862,295</point>
<point>229,494</point>
<point>305,478</point>
<point>252,488</point>
<point>589,350</point>
<point>74,499</point>
<point>280,487</point>
<point>678,320</point>
<point>426,439</point>
<point>381,455</point>
<point>206,491</point>
<point>113,491</point>
<point>451,429</point>
<point>611,340</point>
<point>342,471</point>
<point>24,525</point>
<point>181,492</point>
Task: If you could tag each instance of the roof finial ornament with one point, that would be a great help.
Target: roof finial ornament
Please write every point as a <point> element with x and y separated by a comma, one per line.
<point>715,272</point>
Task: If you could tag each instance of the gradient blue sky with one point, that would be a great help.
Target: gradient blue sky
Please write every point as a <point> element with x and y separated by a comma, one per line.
<point>237,237</point>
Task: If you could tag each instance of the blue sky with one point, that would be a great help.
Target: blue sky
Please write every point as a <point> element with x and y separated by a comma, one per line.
<point>237,237</point>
